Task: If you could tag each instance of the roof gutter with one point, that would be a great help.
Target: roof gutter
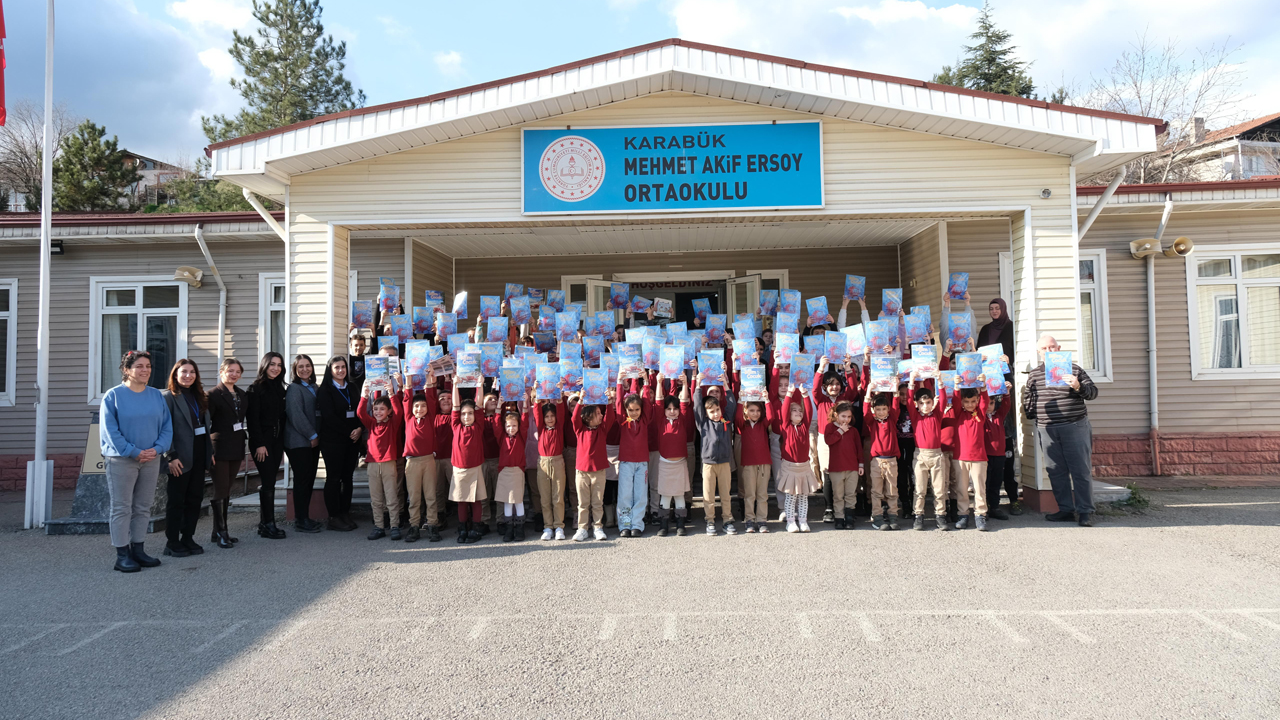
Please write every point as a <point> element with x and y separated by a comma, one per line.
<point>1097,207</point>
<point>222,294</point>
<point>266,216</point>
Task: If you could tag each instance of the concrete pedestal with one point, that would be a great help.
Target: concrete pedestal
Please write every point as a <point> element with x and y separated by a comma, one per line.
<point>91,508</point>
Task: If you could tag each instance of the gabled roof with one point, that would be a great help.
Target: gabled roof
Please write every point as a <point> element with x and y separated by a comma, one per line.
<point>1095,139</point>
<point>1239,129</point>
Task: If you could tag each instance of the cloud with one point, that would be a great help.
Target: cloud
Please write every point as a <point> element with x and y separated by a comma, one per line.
<point>393,27</point>
<point>896,11</point>
<point>448,63</point>
<point>224,14</point>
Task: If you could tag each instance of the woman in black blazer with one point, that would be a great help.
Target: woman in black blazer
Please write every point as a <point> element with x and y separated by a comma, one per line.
<point>266,419</point>
<point>227,407</point>
<point>189,457</point>
<point>340,440</point>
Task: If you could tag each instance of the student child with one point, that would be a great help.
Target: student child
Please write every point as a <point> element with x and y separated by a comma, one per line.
<point>830,388</point>
<point>997,412</point>
<point>490,466</point>
<point>672,428</point>
<point>752,420</point>
<point>844,462</point>
<point>591,426</point>
<point>636,415</point>
<point>466,486</point>
<point>906,450</point>
<point>797,480</point>
<point>651,382</point>
<point>882,427</point>
<point>444,448</point>
<point>509,430</point>
<point>551,464</point>
<point>716,430</point>
<point>930,469</point>
<point>969,415</point>
<point>571,452</point>
<point>383,425</point>
<point>420,462</point>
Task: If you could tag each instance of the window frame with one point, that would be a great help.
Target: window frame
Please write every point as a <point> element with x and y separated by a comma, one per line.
<point>98,285</point>
<point>266,281</point>
<point>1101,314</point>
<point>9,397</point>
<point>1235,254</point>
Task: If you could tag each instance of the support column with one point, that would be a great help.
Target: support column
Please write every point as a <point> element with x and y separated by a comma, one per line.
<point>318,307</point>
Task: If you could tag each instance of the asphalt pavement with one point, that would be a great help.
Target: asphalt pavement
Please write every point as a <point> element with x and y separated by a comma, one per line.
<point>1171,613</point>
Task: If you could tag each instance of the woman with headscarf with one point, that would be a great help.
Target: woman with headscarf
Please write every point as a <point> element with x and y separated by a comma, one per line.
<point>1000,330</point>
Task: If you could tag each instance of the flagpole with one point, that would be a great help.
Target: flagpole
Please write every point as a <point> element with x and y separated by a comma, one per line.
<point>40,497</point>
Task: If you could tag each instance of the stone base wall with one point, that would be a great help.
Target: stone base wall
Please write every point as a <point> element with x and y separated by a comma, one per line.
<point>13,471</point>
<point>1255,453</point>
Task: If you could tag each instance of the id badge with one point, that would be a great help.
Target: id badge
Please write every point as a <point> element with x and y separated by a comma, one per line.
<point>351,413</point>
<point>238,427</point>
<point>200,430</point>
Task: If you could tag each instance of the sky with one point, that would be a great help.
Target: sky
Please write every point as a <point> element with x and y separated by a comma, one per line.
<point>149,69</point>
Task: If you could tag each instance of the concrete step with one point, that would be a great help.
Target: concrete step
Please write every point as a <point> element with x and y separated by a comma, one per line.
<point>1105,492</point>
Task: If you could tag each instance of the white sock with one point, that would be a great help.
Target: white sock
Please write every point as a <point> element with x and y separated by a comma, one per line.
<point>520,509</point>
<point>506,509</point>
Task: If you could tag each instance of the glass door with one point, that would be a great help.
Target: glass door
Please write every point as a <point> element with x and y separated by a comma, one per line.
<point>598,296</point>
<point>744,295</point>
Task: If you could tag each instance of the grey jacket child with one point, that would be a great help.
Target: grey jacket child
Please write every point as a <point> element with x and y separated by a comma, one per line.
<point>717,437</point>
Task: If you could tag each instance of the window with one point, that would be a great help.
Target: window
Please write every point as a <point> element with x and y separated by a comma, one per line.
<point>272,316</point>
<point>8,340</point>
<point>148,313</point>
<point>1234,303</point>
<point>1095,326</point>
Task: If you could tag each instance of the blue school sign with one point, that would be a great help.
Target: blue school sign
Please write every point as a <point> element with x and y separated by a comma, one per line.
<point>672,168</point>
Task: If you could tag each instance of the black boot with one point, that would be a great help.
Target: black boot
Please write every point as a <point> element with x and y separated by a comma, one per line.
<point>433,533</point>
<point>125,562</point>
<point>508,531</point>
<point>142,557</point>
<point>848,518</point>
<point>666,524</point>
<point>681,515</point>
<point>474,531</point>
<point>270,531</point>
<point>462,532</point>
<point>176,549</point>
<point>953,511</point>
<point>519,524</point>
<point>220,536</point>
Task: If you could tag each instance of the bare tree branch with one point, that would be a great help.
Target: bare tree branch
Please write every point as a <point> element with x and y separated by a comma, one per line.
<point>21,140</point>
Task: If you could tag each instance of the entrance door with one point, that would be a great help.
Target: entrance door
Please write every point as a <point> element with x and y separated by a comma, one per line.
<point>598,297</point>
<point>744,295</point>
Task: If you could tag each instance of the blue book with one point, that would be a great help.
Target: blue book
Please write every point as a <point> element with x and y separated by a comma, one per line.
<point>958,285</point>
<point>590,325</point>
<point>548,381</point>
<point>789,301</point>
<point>636,335</point>
<point>460,305</point>
<point>701,308</point>
<point>490,306</point>
<point>709,362</point>
<point>856,345</point>
<point>891,301</point>
<point>677,330</point>
<point>924,311</point>
<point>745,326</point>
<point>813,344</point>
<point>881,334</point>
<point>402,327</point>
<point>786,322</point>
<point>446,324</point>
<point>802,371</point>
<point>511,383</point>
<point>651,350</point>
<point>457,343</point>
<point>496,329</point>
<point>417,355</point>
<point>362,314</point>
<point>855,287</point>
<point>692,346</point>
<point>672,360</point>
<point>609,362</point>
<point>512,290</point>
<point>917,329</point>
<point>640,305</point>
<point>571,374</point>
<point>630,360</point>
<point>993,377</point>
<point>388,295</point>
<point>744,353</point>
<point>948,378</point>
<point>469,373</point>
<point>555,298</point>
<point>531,363</point>
<point>835,347</point>
<point>537,296</point>
<point>521,312</point>
<point>994,354</point>
<point>618,293</point>
<point>1057,368</point>
<point>595,384</point>
<point>925,358</point>
<point>544,341</point>
<point>423,320</point>
<point>434,299</point>
<point>785,347</point>
<point>715,328</point>
<point>547,321</point>
<point>604,322</point>
<point>490,359</point>
<point>818,314</point>
<point>968,368</point>
<point>904,371</point>
<point>960,332</point>
<point>753,388</point>
<point>884,373</point>
<point>571,351</point>
<point>768,303</point>
<point>592,347</point>
<point>388,341</point>
<point>566,326</point>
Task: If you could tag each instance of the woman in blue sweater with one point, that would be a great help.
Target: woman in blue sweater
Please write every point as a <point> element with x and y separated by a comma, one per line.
<point>135,430</point>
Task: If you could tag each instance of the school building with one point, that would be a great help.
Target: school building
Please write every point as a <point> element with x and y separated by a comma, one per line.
<point>692,171</point>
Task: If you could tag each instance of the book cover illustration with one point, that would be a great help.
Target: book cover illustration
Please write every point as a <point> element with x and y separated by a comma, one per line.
<point>745,326</point>
<point>701,308</point>
<point>566,326</point>
<point>1057,368</point>
<point>993,378</point>
<point>753,384</point>
<point>555,298</point>
<point>388,294</point>
<point>460,305</point>
<point>595,383</point>
<point>709,362</point>
<point>880,335</point>
<point>917,329</point>
<point>417,355</point>
<point>891,301</point>
<point>401,327</point>
<point>469,375</point>
<point>391,341</point>
<point>570,351</point>
<point>672,360</point>
<point>884,373</point>
<point>662,308</point>
<point>630,360</point>
<point>547,320</point>
<point>677,331</point>
<point>590,326</point>
<point>923,310</point>
<point>651,349</point>
<point>959,323</point>
<point>958,285</point>
<point>496,329</point>
<point>789,301</point>
<point>813,344</point>
<point>511,384</point>
<point>802,371</point>
<point>592,347</point>
<point>571,375</point>
<point>490,359</point>
<point>857,345</point>
<point>925,358</point>
<point>692,346</point>
<point>545,342</point>
<point>948,379</point>
<point>490,306</point>
<point>605,322</point>
<point>786,322</point>
<point>904,371</point>
<point>512,290</point>
<point>835,346</point>
<point>423,320</point>
<point>640,305</point>
<point>968,368</point>
<point>636,335</point>
<point>548,381</point>
<point>715,329</point>
<point>434,299</point>
<point>537,296</point>
<point>994,354</point>
<point>818,314</point>
<point>855,287</point>
<point>744,353</point>
<point>531,363</point>
<point>377,373</point>
<point>521,310</point>
<point>446,324</point>
<point>610,363</point>
<point>618,293</point>
<point>362,314</point>
<point>457,343</point>
<point>785,347</point>
<point>768,303</point>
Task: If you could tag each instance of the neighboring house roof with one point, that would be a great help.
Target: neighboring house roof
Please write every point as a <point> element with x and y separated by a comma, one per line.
<point>1095,139</point>
<point>1239,129</point>
<point>23,229</point>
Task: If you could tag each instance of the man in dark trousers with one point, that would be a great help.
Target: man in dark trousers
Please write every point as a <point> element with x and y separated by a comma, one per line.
<point>1064,436</point>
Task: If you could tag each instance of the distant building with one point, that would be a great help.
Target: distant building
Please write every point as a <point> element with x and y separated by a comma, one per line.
<point>1240,152</point>
<point>149,190</point>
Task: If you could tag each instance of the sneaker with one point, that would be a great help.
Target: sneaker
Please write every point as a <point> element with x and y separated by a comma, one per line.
<point>711,528</point>
<point>1015,508</point>
<point>1086,520</point>
<point>548,534</point>
<point>840,524</point>
<point>942,522</point>
<point>828,516</point>
<point>559,533</point>
<point>804,526</point>
<point>997,514</point>
<point>918,524</point>
<point>729,529</point>
<point>877,522</point>
<point>751,527</point>
<point>433,533</point>
<point>580,535</point>
<point>395,533</point>
<point>306,525</point>
<point>377,533</point>
<point>414,534</point>
<point>600,534</point>
<point>792,527</point>
<point>981,523</point>
<point>1060,516</point>
<point>762,528</point>
<point>962,523</point>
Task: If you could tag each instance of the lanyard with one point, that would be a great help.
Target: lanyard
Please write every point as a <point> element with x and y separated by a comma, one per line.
<point>345,394</point>
<point>195,407</point>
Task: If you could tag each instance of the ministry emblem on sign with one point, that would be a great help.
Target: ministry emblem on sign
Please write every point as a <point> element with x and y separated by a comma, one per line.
<point>571,168</point>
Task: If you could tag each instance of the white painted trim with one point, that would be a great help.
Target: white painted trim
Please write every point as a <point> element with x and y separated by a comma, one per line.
<point>1235,250</point>
<point>782,276</point>
<point>288,291</point>
<point>1105,374</point>
<point>97,283</point>
<point>328,313</point>
<point>565,281</point>
<point>944,261</point>
<point>408,276</point>
<point>1006,278</point>
<point>265,281</point>
<point>683,275</point>
<point>9,396</point>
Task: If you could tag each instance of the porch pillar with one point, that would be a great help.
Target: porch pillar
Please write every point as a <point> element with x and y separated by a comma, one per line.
<point>318,312</point>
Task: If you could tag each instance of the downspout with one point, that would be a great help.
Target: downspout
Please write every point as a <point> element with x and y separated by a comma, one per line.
<point>222,294</point>
<point>1154,401</point>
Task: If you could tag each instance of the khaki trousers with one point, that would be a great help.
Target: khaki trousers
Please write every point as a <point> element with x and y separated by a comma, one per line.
<point>384,494</point>
<point>975,472</point>
<point>420,476</point>
<point>490,471</point>
<point>551,490</point>
<point>931,469</point>
<point>753,485</point>
<point>590,498</point>
<point>884,484</point>
<point>844,492</point>
<point>718,475</point>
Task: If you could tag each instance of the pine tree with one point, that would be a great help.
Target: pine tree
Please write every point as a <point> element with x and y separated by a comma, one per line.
<point>293,71</point>
<point>989,65</point>
<point>90,173</point>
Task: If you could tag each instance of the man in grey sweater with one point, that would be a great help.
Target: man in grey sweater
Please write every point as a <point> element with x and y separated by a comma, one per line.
<point>716,428</point>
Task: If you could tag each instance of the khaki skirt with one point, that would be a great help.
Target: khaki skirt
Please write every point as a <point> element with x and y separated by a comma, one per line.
<point>797,479</point>
<point>673,477</point>
<point>467,485</point>
<point>510,487</point>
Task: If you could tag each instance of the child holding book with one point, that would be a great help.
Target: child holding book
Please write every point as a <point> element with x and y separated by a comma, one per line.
<point>969,415</point>
<point>797,479</point>
<point>509,489</point>
<point>420,462</point>
<point>591,427</point>
<point>673,429</point>
<point>830,388</point>
<point>551,473</point>
<point>466,486</point>
<point>636,417</point>
<point>752,420</point>
<point>490,466</point>
<point>930,464</point>
<point>881,425</point>
<point>844,460</point>
<point>716,431</point>
<point>383,426</point>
